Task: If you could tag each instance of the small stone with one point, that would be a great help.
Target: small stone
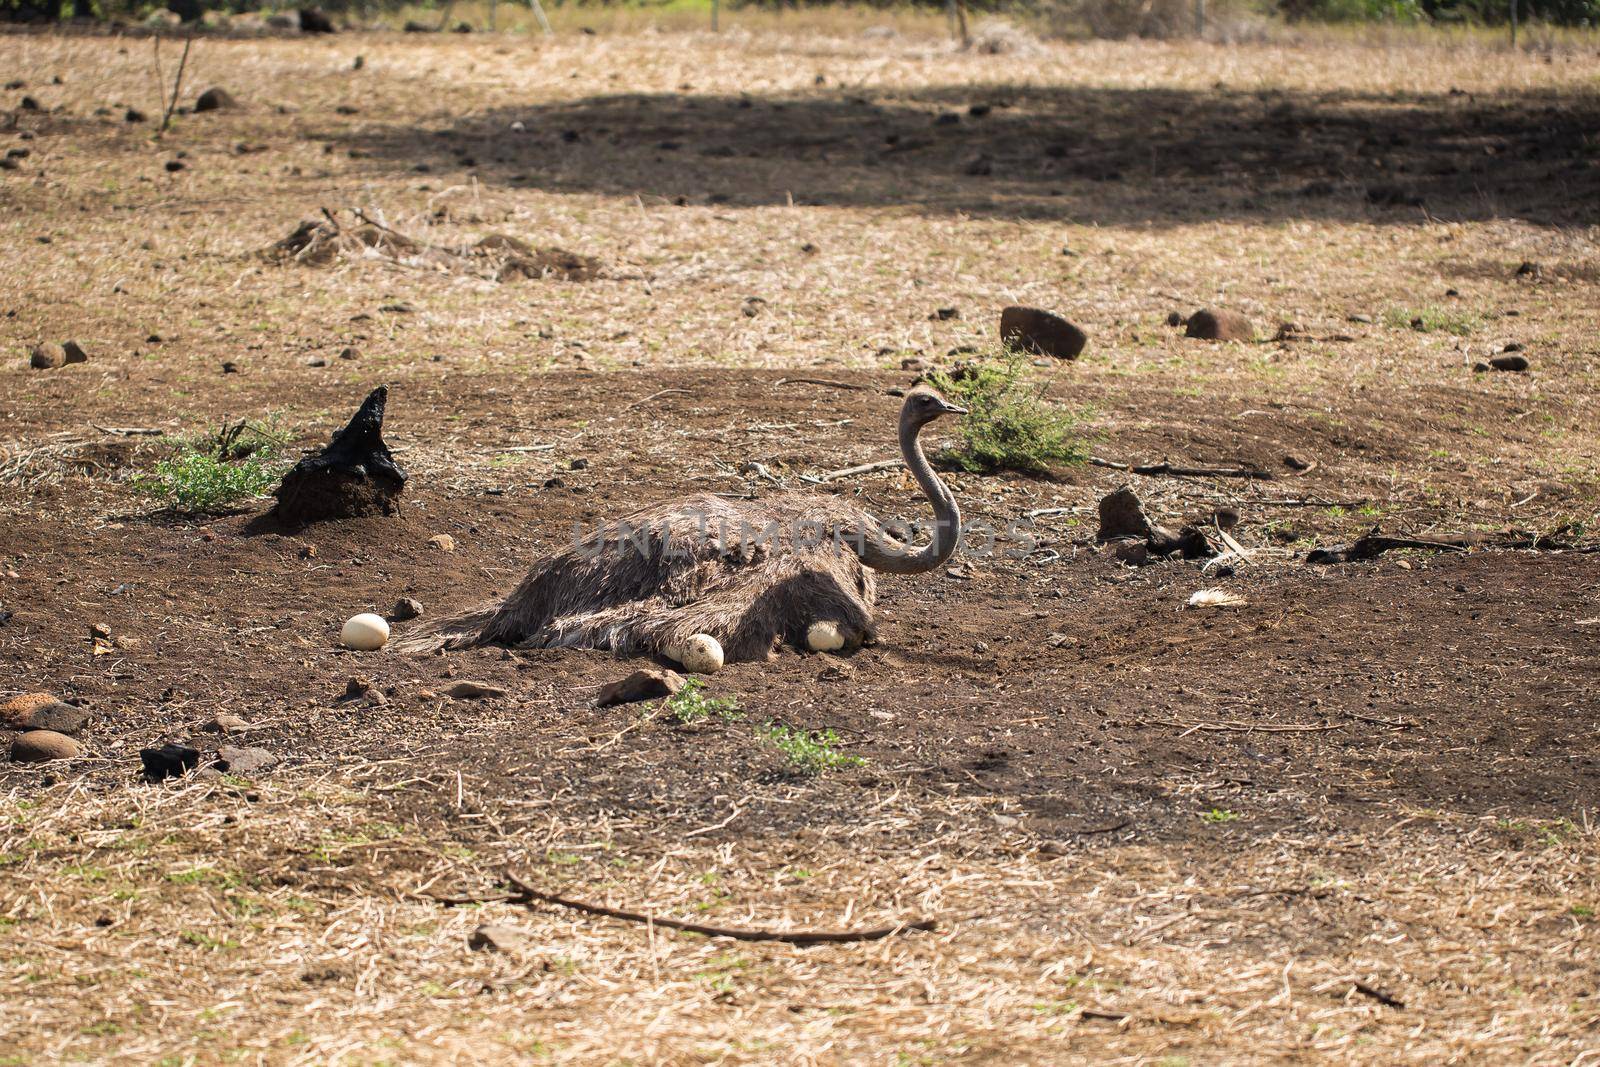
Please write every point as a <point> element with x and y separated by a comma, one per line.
<point>133,114</point>
<point>1529,269</point>
<point>1043,332</point>
<point>474,691</point>
<point>226,723</point>
<point>214,99</point>
<point>74,352</point>
<point>246,760</point>
<point>1364,319</point>
<point>640,685</point>
<point>357,686</point>
<point>405,608</point>
<point>47,356</point>
<point>1216,324</point>
<point>1053,850</point>
<point>1509,363</point>
<point>175,165</point>
<point>349,352</point>
<point>28,103</point>
<point>17,713</point>
<point>945,314</point>
<point>442,542</point>
<point>578,464</point>
<point>1175,319</point>
<point>171,760</point>
<point>42,746</point>
<point>99,632</point>
<point>230,367</point>
<point>499,937</point>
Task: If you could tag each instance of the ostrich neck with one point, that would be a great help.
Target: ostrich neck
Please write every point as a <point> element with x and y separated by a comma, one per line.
<point>882,553</point>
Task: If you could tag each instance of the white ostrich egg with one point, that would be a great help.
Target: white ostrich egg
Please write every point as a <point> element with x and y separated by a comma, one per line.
<point>365,632</point>
<point>824,636</point>
<point>701,654</point>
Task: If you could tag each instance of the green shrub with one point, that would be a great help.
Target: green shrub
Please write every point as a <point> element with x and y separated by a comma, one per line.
<point>1008,425</point>
<point>216,472</point>
<point>809,752</point>
<point>690,705</point>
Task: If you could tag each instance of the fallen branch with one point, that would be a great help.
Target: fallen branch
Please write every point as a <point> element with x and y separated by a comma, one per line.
<point>656,396</point>
<point>526,894</point>
<point>818,381</point>
<point>851,472</point>
<point>1167,469</point>
<point>1386,999</point>
<point>1245,727</point>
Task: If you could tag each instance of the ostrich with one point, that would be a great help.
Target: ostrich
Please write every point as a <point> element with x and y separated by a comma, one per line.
<point>752,574</point>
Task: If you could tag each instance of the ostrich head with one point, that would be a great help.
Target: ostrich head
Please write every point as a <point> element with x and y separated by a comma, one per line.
<point>923,405</point>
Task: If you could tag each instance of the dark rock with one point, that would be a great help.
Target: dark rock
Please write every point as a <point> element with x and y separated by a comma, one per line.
<point>133,114</point>
<point>42,746</point>
<point>1122,515</point>
<point>28,103</point>
<point>47,356</point>
<point>1529,269</point>
<point>1037,331</point>
<point>74,352</point>
<point>1189,542</point>
<point>1510,363</point>
<point>1175,319</point>
<point>356,687</point>
<point>640,685</point>
<point>215,99</point>
<point>354,475</point>
<point>499,937</point>
<point>171,760</point>
<point>1215,324</point>
<point>474,691</point>
<point>349,352</point>
<point>10,163</point>
<point>246,760</point>
<point>405,608</point>
<point>175,165</point>
<point>1133,553</point>
<point>315,20</point>
<point>946,314</point>
<point>1513,346</point>
<point>579,464</point>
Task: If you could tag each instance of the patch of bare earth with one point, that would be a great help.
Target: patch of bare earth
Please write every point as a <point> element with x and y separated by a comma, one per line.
<point>1350,819</point>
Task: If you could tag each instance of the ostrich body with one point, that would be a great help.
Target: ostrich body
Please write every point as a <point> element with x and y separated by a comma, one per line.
<point>752,574</point>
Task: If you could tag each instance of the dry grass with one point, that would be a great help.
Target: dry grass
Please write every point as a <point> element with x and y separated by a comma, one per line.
<point>282,923</point>
<point>279,923</point>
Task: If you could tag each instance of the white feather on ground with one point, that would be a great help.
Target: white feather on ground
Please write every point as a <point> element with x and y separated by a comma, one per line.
<point>1216,598</point>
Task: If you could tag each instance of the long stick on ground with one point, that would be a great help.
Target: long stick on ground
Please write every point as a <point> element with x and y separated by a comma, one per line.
<point>1181,472</point>
<point>177,85</point>
<point>528,893</point>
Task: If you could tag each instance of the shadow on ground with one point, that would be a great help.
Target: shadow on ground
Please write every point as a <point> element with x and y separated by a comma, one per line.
<point>1108,156</point>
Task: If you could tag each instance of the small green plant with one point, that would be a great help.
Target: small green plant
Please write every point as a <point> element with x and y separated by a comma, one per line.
<point>809,751</point>
<point>1218,815</point>
<point>691,706</point>
<point>1432,320</point>
<point>213,473</point>
<point>1008,425</point>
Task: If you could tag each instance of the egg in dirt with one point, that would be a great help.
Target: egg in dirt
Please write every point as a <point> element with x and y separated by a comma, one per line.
<point>824,636</point>
<point>701,654</point>
<point>365,632</point>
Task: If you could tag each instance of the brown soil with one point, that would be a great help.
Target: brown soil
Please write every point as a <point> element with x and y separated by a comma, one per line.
<point>1184,760</point>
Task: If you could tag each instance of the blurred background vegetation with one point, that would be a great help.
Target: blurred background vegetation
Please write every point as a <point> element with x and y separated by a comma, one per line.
<point>1222,20</point>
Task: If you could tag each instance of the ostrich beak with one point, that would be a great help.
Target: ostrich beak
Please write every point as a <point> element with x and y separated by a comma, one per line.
<point>952,409</point>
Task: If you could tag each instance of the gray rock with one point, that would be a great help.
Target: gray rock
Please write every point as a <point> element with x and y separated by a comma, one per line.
<point>59,718</point>
<point>499,937</point>
<point>406,608</point>
<point>246,760</point>
<point>474,691</point>
<point>225,723</point>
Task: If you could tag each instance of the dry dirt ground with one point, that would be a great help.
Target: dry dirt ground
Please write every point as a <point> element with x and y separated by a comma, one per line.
<point>1349,821</point>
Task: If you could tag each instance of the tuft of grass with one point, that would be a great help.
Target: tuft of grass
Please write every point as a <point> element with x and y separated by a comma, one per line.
<point>809,751</point>
<point>216,472</point>
<point>1219,815</point>
<point>1009,425</point>
<point>690,705</point>
<point>1432,320</point>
